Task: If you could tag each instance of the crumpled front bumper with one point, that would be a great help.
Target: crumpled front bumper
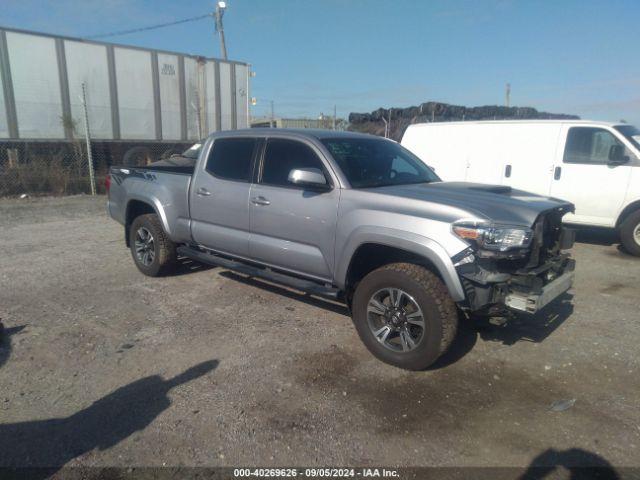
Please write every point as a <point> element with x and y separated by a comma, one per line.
<point>532,302</point>
<point>528,291</point>
<point>524,281</point>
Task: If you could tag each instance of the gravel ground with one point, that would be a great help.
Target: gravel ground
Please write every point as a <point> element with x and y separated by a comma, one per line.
<point>101,366</point>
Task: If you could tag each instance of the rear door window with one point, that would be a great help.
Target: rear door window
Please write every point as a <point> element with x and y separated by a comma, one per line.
<point>232,158</point>
<point>589,145</point>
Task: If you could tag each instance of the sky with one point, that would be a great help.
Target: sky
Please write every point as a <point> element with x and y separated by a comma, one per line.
<point>570,56</point>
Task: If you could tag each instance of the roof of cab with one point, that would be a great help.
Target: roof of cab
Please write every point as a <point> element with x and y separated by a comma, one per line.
<point>300,132</point>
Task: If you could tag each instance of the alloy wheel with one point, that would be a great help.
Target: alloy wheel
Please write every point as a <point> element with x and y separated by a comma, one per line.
<point>395,319</point>
<point>145,246</point>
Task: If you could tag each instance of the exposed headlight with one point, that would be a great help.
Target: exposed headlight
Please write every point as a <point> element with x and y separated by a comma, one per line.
<point>493,237</point>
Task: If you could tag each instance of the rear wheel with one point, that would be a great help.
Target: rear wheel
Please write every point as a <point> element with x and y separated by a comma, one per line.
<point>404,315</point>
<point>630,233</point>
<point>152,251</point>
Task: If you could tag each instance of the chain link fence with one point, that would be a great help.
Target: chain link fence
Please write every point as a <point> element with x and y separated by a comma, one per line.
<point>62,168</point>
<point>42,167</point>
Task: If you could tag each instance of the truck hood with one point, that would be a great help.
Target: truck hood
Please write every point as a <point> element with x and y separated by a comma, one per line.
<point>497,203</point>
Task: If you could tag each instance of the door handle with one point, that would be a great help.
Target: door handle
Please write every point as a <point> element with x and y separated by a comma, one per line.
<point>507,171</point>
<point>557,173</point>
<point>203,192</point>
<point>260,201</point>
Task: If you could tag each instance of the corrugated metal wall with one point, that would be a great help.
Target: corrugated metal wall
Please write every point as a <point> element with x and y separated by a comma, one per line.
<point>132,93</point>
<point>88,63</point>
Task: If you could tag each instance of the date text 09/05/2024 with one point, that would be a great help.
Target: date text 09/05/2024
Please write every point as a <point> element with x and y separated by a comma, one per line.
<point>315,472</point>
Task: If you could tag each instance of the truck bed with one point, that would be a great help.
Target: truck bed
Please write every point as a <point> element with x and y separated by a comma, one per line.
<point>174,165</point>
<point>162,185</point>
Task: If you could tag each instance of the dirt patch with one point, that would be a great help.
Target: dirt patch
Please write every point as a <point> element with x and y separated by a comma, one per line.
<point>294,383</point>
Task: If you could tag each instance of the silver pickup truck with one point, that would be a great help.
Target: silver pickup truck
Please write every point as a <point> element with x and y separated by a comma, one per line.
<point>355,218</point>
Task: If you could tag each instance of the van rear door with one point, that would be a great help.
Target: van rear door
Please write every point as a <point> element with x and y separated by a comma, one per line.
<point>585,176</point>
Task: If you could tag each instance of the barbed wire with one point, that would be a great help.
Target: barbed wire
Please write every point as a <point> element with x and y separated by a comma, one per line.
<point>150,27</point>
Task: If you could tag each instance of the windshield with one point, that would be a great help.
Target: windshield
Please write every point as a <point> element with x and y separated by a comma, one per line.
<point>372,162</point>
<point>631,133</point>
<point>193,151</point>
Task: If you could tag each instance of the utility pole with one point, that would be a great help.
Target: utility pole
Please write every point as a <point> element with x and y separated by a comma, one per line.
<point>217,15</point>
<point>272,122</point>
<point>87,137</point>
<point>508,95</point>
<point>334,117</point>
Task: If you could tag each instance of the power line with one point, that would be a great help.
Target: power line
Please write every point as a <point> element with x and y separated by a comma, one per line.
<point>151,27</point>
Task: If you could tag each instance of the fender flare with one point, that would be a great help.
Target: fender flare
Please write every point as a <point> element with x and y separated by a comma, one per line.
<point>410,242</point>
<point>155,204</point>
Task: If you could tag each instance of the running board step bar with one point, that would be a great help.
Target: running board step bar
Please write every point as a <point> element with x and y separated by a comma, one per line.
<point>307,286</point>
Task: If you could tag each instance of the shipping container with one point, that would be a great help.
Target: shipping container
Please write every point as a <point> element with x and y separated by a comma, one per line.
<point>142,104</point>
<point>131,92</point>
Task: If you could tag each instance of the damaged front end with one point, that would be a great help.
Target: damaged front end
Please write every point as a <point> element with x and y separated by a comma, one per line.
<point>523,269</point>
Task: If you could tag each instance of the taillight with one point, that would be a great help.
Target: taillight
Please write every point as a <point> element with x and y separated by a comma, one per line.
<point>107,182</point>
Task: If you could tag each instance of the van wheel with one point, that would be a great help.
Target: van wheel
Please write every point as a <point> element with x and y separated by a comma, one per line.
<point>152,251</point>
<point>630,233</point>
<point>404,315</point>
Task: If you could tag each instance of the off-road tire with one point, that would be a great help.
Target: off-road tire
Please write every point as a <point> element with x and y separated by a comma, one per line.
<point>137,157</point>
<point>627,229</point>
<point>165,257</point>
<point>439,311</point>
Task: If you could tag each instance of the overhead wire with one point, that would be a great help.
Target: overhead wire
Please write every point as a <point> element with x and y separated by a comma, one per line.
<point>150,27</point>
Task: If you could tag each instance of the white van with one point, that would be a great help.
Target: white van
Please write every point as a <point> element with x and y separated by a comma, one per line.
<point>595,165</point>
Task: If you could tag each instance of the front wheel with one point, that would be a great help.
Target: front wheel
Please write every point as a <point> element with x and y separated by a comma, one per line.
<point>404,315</point>
<point>152,251</point>
<point>630,233</point>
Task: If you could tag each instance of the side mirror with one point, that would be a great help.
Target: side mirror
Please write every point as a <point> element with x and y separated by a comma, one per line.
<point>617,156</point>
<point>311,178</point>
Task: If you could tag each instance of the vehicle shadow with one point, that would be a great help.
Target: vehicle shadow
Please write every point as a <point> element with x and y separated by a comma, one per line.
<point>47,445</point>
<point>186,265</point>
<point>335,307</point>
<point>581,464</point>
<point>464,341</point>
<point>529,328</point>
<point>518,328</point>
<point>5,341</point>
<point>595,235</point>
<point>605,237</point>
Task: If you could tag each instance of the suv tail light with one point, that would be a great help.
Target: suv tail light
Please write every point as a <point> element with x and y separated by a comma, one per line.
<point>107,182</point>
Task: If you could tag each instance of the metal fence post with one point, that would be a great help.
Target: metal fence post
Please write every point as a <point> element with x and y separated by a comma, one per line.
<point>87,137</point>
